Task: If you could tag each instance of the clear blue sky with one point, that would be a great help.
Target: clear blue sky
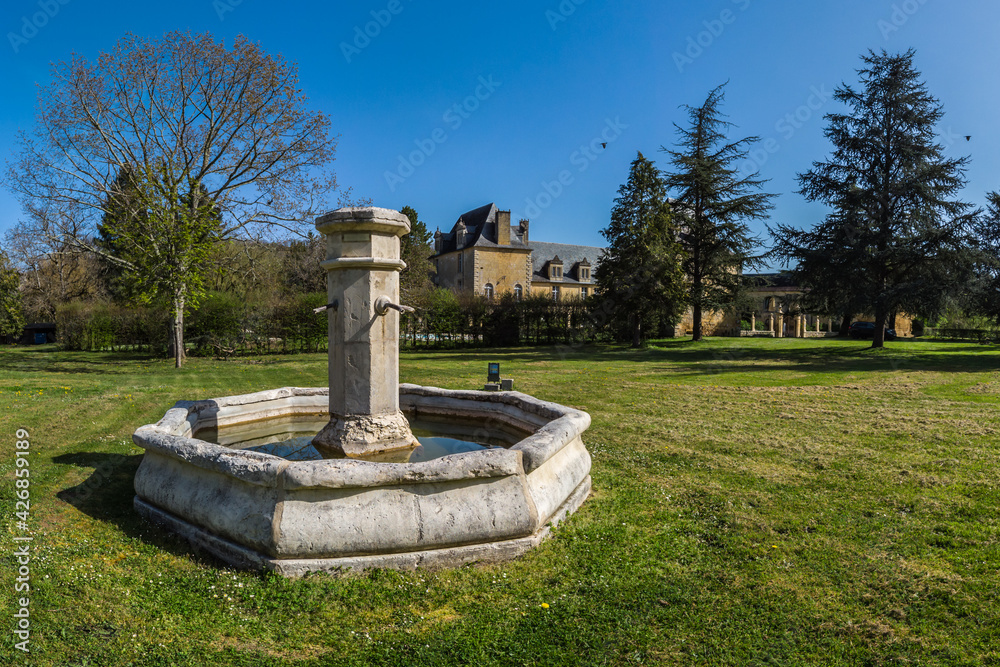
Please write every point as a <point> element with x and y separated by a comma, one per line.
<point>557,81</point>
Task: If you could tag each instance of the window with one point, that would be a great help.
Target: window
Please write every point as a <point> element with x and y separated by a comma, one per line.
<point>488,291</point>
<point>557,271</point>
<point>518,292</point>
<point>460,263</point>
<point>585,275</point>
<point>583,292</point>
<point>555,292</point>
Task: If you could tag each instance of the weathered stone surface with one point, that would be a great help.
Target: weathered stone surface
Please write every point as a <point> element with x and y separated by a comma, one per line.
<point>244,558</point>
<point>365,434</point>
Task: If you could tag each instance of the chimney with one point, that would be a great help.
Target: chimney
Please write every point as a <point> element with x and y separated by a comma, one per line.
<point>523,228</point>
<point>503,227</point>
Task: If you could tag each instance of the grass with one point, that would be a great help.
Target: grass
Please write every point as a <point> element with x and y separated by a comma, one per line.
<point>756,502</point>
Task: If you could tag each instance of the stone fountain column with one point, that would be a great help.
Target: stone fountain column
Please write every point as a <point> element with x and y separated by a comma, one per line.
<point>363,264</point>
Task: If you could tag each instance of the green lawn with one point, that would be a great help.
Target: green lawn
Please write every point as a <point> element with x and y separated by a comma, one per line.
<point>756,502</point>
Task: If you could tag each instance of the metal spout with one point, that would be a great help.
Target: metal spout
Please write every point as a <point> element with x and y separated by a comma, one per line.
<point>382,306</point>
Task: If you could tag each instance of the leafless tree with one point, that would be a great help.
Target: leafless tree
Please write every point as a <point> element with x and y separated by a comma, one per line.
<point>230,124</point>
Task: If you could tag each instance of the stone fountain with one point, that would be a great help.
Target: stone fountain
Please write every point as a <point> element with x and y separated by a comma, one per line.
<point>259,511</point>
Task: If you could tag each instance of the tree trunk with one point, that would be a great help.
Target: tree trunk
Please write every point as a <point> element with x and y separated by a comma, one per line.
<point>178,331</point>
<point>880,317</point>
<point>845,325</point>
<point>636,330</point>
<point>696,322</point>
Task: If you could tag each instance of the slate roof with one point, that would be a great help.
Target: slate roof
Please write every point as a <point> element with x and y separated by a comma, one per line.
<point>481,229</point>
<point>571,255</point>
<point>774,280</point>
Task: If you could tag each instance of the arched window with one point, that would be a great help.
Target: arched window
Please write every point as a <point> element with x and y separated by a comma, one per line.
<point>518,292</point>
<point>488,291</point>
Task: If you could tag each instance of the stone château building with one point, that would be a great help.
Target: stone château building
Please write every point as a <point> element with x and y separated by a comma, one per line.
<point>487,255</point>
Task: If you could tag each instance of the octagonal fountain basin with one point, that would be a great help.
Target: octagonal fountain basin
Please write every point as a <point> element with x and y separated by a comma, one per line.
<point>525,470</point>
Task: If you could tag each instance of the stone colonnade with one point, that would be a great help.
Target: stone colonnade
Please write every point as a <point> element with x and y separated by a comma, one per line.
<point>784,325</point>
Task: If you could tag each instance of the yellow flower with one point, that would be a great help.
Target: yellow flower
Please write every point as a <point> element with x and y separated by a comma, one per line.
<point>545,605</point>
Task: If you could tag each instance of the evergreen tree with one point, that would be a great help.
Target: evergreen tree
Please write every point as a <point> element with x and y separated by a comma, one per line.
<point>11,312</point>
<point>983,294</point>
<point>639,279</point>
<point>123,210</point>
<point>415,283</point>
<point>714,201</point>
<point>897,238</point>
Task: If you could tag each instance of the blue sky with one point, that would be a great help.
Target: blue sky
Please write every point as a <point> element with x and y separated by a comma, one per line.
<point>451,105</point>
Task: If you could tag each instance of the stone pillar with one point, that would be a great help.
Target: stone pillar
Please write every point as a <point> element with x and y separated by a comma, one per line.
<point>781,324</point>
<point>817,324</point>
<point>753,322</point>
<point>363,264</point>
<point>798,326</point>
<point>829,325</point>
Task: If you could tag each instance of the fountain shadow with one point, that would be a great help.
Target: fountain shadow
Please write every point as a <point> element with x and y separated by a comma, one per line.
<point>107,495</point>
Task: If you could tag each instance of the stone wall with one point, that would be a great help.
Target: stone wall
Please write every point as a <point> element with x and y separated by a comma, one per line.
<point>502,268</point>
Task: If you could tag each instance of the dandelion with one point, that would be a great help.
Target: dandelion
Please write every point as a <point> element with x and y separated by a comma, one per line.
<point>545,605</point>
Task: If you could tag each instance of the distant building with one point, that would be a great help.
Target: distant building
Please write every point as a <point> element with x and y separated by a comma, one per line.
<point>487,255</point>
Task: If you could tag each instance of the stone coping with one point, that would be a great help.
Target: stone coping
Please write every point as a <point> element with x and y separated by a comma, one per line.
<point>551,427</point>
<point>364,218</point>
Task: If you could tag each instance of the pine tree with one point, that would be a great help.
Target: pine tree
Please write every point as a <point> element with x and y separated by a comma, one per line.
<point>640,280</point>
<point>896,238</point>
<point>714,201</point>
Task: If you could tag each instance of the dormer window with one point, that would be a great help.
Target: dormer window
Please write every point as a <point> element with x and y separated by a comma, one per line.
<point>555,268</point>
<point>583,271</point>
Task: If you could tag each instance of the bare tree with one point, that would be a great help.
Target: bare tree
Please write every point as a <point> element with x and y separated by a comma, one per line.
<point>225,127</point>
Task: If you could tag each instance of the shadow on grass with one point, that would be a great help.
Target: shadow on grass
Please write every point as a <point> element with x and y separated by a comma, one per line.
<point>107,496</point>
<point>51,359</point>
<point>734,355</point>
